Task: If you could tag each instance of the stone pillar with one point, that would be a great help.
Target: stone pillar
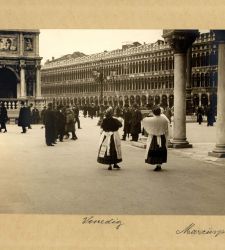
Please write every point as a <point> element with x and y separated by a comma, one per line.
<point>23,90</point>
<point>188,83</point>
<point>180,41</point>
<point>219,150</point>
<point>38,82</point>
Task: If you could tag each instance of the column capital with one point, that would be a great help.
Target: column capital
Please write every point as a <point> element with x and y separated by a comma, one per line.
<point>180,40</point>
<point>22,64</point>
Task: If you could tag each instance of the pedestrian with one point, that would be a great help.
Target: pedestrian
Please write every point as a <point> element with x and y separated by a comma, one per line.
<point>157,128</point>
<point>24,117</point>
<point>127,122</point>
<point>35,116</point>
<point>70,124</point>
<point>50,125</point>
<point>200,113</point>
<point>29,111</point>
<point>3,117</point>
<point>61,122</point>
<point>136,118</point>
<point>210,113</point>
<point>76,115</point>
<point>110,146</point>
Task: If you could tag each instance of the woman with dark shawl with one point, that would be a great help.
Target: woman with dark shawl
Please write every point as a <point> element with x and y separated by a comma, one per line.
<point>110,146</point>
<point>157,129</point>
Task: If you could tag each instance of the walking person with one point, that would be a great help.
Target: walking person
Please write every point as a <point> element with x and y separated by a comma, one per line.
<point>200,113</point>
<point>110,146</point>
<point>24,118</point>
<point>127,122</point>
<point>157,128</point>
<point>76,114</point>
<point>3,117</point>
<point>70,124</point>
<point>136,118</point>
<point>210,113</point>
<point>50,125</point>
<point>61,122</point>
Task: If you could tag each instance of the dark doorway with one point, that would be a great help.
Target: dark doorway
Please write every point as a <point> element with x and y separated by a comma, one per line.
<point>8,84</point>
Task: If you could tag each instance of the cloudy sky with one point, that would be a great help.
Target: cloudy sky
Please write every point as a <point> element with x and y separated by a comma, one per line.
<point>56,43</point>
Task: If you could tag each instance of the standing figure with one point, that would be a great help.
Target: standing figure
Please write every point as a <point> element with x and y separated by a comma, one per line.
<point>157,128</point>
<point>127,122</point>
<point>110,146</point>
<point>136,118</point>
<point>24,117</point>
<point>3,117</point>
<point>210,113</point>
<point>76,114</point>
<point>61,122</point>
<point>50,125</point>
<point>200,113</point>
<point>70,124</point>
<point>168,113</point>
<point>35,116</point>
<point>29,115</point>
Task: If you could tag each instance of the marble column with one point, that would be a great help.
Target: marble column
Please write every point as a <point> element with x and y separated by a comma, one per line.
<point>180,41</point>
<point>23,90</point>
<point>219,150</point>
<point>38,82</point>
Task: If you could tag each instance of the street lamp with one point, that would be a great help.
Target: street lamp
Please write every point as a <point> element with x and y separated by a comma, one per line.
<point>99,77</point>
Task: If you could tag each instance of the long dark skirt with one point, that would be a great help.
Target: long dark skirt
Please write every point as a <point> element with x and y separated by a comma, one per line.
<point>156,154</point>
<point>112,157</point>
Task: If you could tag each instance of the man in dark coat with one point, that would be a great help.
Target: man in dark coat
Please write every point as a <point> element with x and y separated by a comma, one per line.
<point>3,117</point>
<point>76,114</point>
<point>210,113</point>
<point>127,122</point>
<point>136,118</point>
<point>200,113</point>
<point>60,123</point>
<point>50,125</point>
<point>24,118</point>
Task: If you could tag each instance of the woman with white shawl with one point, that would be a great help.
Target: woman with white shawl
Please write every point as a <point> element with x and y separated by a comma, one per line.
<point>110,146</point>
<point>157,128</point>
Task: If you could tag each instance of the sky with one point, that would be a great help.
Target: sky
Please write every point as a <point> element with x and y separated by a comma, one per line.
<point>58,42</point>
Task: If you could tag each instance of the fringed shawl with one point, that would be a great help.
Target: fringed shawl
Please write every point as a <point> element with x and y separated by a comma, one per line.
<point>156,125</point>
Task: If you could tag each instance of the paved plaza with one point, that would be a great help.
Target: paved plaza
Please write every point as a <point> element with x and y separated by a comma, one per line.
<point>66,179</point>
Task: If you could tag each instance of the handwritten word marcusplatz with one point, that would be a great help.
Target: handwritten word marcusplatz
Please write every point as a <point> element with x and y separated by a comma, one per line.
<point>193,230</point>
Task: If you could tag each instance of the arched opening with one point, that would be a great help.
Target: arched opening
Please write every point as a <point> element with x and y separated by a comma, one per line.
<point>8,83</point>
<point>171,101</point>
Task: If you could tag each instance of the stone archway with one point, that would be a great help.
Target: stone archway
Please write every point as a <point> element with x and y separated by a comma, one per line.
<point>8,83</point>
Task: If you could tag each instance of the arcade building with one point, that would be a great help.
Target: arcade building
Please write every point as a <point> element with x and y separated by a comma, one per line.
<point>136,73</point>
<point>20,66</point>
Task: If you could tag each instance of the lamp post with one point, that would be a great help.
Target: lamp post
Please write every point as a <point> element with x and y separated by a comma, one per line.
<point>99,77</point>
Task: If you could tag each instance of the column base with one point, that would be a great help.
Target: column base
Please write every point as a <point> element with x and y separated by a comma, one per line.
<point>179,144</point>
<point>218,152</point>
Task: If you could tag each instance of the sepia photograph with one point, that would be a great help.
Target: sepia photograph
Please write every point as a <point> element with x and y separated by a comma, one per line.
<point>112,125</point>
<point>113,122</point>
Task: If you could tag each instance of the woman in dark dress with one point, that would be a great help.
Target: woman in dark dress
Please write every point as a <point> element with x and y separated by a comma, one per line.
<point>110,146</point>
<point>157,129</point>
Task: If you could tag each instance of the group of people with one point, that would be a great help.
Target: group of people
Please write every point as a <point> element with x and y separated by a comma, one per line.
<point>59,123</point>
<point>209,111</point>
<point>156,126</point>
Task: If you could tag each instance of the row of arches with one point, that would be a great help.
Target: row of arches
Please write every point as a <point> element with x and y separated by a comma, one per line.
<point>165,100</point>
<point>166,82</point>
<point>69,74</point>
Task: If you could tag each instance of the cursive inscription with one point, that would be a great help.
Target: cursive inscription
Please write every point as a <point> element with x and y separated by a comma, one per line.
<point>93,220</point>
<point>193,230</point>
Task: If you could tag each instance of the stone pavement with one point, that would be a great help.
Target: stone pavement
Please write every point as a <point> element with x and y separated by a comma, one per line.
<point>66,179</point>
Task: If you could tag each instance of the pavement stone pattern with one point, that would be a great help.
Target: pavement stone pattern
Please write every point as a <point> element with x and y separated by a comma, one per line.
<point>66,179</point>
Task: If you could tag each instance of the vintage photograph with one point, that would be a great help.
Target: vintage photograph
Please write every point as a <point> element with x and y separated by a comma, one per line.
<point>112,121</point>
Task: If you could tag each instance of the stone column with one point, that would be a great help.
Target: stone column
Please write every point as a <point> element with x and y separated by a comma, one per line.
<point>38,82</point>
<point>219,150</point>
<point>180,41</point>
<point>189,77</point>
<point>23,91</point>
